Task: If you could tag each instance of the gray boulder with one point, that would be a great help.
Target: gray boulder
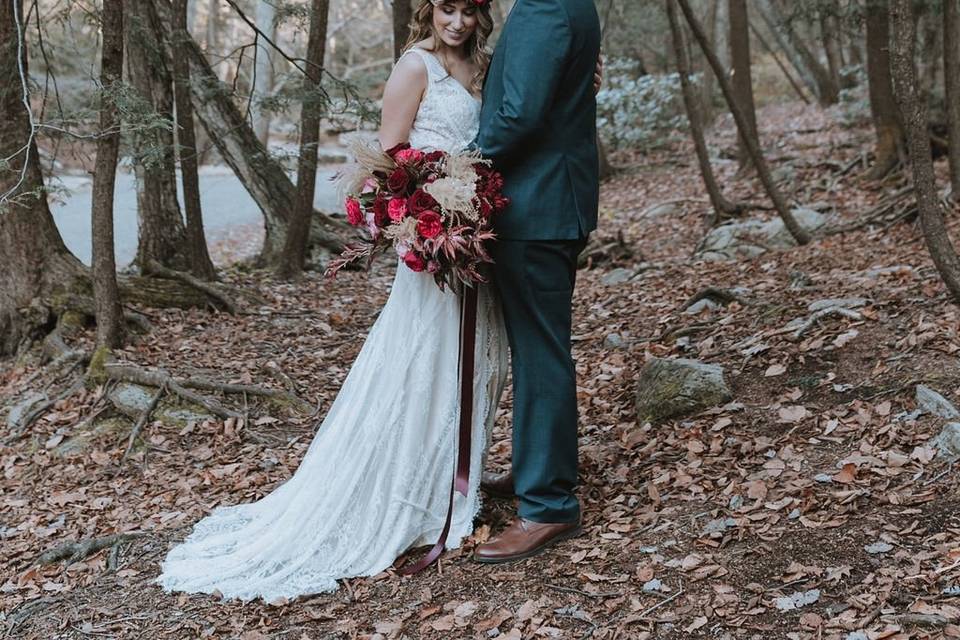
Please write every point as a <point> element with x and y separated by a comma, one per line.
<point>671,388</point>
<point>22,407</point>
<point>751,238</point>
<point>948,441</point>
<point>932,402</point>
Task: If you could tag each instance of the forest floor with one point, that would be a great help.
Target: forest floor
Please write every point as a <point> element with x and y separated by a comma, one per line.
<point>812,506</point>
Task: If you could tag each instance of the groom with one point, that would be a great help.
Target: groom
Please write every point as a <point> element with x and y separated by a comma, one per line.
<point>538,125</point>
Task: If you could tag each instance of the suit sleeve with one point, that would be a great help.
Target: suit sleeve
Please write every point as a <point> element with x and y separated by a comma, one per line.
<point>534,63</point>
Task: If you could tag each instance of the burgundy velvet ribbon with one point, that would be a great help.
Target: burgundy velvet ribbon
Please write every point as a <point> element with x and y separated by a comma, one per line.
<point>461,478</point>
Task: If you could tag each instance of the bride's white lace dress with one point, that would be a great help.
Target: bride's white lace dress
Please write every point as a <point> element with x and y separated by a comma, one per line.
<point>376,479</point>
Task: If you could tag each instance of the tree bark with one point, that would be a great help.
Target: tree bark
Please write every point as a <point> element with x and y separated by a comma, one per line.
<point>162,235</point>
<point>262,84</point>
<point>768,14</point>
<point>402,15</point>
<point>721,206</point>
<point>33,258</point>
<point>890,144</point>
<point>828,91</point>
<point>756,155</point>
<point>951,72</point>
<point>786,72</point>
<point>105,291</point>
<point>740,70</point>
<point>198,257</point>
<point>295,250</point>
<point>829,33</point>
<point>914,111</point>
<point>262,176</point>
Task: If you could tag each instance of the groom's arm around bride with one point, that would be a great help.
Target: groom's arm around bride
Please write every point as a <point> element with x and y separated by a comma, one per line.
<point>538,125</point>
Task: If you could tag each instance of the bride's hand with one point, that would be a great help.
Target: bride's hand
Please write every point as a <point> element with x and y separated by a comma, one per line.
<point>598,75</point>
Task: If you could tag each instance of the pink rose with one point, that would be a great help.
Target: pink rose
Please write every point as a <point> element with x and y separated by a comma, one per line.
<point>429,224</point>
<point>354,213</point>
<point>397,209</point>
<point>414,261</point>
<point>408,156</point>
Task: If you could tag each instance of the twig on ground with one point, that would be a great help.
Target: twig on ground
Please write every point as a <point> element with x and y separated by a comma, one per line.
<point>141,421</point>
<point>662,602</point>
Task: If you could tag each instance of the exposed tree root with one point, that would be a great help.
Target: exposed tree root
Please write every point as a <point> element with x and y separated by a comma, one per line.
<point>210,290</point>
<point>76,551</point>
<point>723,296</point>
<point>160,378</point>
<point>603,250</point>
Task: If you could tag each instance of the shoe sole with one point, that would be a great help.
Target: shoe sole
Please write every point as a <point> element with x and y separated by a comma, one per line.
<point>573,533</point>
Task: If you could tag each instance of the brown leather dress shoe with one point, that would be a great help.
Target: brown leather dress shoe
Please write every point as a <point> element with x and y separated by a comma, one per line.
<point>497,484</point>
<point>523,539</point>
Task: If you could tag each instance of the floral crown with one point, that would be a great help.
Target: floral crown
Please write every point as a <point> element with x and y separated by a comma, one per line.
<point>479,3</point>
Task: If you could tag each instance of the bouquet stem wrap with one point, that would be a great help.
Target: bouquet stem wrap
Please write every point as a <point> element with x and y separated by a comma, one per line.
<point>461,478</point>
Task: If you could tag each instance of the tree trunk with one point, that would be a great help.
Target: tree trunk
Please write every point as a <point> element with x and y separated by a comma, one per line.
<point>402,16</point>
<point>262,85</point>
<point>33,258</point>
<point>780,64</point>
<point>756,155</point>
<point>768,13</point>
<point>740,70</point>
<point>828,91</point>
<point>162,236</point>
<point>829,33</point>
<point>721,206</point>
<point>914,111</point>
<point>198,257</point>
<point>883,106</point>
<point>951,72</point>
<point>262,176</point>
<point>105,291</point>
<point>295,251</point>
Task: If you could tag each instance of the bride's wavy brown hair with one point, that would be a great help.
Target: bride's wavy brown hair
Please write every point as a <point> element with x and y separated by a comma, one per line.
<point>421,28</point>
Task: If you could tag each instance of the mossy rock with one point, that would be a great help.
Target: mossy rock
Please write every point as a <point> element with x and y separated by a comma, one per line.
<point>117,427</point>
<point>133,399</point>
<point>674,388</point>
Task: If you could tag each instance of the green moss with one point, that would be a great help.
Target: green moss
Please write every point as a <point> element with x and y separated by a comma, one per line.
<point>97,372</point>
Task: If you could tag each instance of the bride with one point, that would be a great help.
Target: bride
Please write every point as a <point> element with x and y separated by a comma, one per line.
<point>376,479</point>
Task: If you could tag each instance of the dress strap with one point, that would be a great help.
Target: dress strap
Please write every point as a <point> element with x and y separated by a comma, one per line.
<point>435,70</point>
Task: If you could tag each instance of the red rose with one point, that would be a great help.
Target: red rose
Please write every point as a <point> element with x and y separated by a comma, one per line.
<point>414,261</point>
<point>380,216</point>
<point>434,156</point>
<point>429,224</point>
<point>420,201</point>
<point>354,213</point>
<point>397,148</point>
<point>408,156</point>
<point>398,181</point>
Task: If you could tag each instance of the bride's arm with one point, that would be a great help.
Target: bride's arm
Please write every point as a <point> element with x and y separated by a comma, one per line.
<point>401,100</point>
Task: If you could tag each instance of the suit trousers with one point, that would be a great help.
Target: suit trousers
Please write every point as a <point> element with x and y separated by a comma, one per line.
<point>535,279</point>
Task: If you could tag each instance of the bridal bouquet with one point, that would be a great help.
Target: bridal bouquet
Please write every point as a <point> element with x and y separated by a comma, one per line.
<point>434,208</point>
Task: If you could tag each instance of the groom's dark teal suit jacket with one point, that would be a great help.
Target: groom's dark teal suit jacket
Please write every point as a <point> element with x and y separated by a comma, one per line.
<point>538,120</point>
